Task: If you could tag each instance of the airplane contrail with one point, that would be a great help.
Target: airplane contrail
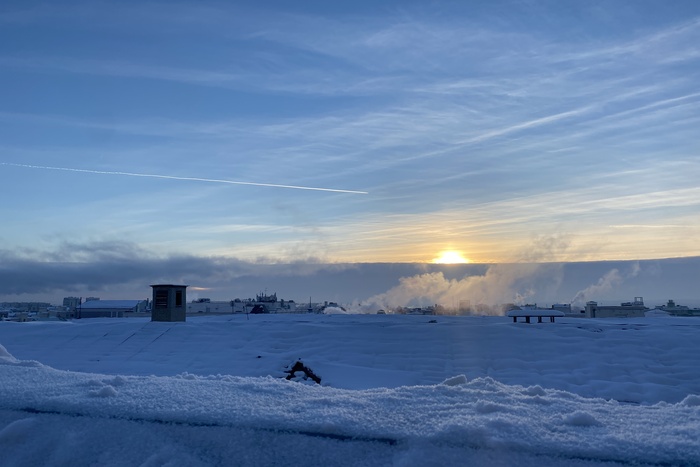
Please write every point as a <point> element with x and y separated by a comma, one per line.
<point>192,179</point>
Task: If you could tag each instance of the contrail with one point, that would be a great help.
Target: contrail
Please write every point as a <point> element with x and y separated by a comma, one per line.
<point>192,179</point>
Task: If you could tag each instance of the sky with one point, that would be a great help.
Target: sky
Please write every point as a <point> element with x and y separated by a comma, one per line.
<point>241,133</point>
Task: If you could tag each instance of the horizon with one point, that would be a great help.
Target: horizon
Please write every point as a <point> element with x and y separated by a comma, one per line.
<point>388,285</point>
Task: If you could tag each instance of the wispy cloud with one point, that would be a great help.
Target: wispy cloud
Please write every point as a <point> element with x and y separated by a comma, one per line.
<point>127,69</point>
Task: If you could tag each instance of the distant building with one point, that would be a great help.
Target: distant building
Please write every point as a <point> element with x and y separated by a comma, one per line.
<point>71,303</point>
<point>678,310</point>
<point>465,306</point>
<point>29,307</point>
<point>426,310</point>
<point>205,305</point>
<point>263,303</point>
<point>563,307</point>
<point>635,309</point>
<point>568,311</point>
<point>23,317</point>
<point>110,308</point>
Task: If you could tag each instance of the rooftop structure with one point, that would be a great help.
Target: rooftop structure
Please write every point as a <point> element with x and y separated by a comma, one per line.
<point>169,302</point>
<point>533,311</point>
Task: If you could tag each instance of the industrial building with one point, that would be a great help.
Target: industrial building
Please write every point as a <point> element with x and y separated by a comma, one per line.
<point>110,308</point>
<point>635,309</point>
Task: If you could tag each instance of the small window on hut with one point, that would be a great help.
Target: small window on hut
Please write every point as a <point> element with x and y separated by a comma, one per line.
<point>178,298</point>
<point>161,299</point>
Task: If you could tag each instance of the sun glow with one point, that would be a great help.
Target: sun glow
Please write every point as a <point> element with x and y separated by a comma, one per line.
<point>450,257</point>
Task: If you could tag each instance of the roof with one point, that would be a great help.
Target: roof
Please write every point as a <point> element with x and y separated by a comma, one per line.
<point>534,312</point>
<point>116,304</point>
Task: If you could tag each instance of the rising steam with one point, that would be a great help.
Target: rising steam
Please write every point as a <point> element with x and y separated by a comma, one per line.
<point>484,294</point>
<point>605,284</point>
<point>517,283</point>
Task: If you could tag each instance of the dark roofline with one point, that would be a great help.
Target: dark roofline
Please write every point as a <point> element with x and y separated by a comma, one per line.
<point>168,285</point>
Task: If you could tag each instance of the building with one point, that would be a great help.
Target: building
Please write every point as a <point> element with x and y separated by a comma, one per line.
<point>678,310</point>
<point>110,308</point>
<point>563,307</point>
<point>169,303</point>
<point>263,303</point>
<point>635,309</point>
<point>568,311</point>
<point>71,303</point>
<point>205,305</point>
<point>28,307</point>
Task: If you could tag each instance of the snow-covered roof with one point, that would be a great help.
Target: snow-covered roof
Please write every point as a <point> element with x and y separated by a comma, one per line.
<point>496,396</point>
<point>534,312</point>
<point>101,304</point>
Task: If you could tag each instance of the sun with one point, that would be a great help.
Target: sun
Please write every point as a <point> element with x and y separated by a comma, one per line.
<point>450,257</point>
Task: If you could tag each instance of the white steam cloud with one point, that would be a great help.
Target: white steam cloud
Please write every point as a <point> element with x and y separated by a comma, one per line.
<point>605,284</point>
<point>483,294</point>
<point>501,284</point>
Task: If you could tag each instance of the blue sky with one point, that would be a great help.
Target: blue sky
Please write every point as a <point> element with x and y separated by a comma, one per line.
<point>507,131</point>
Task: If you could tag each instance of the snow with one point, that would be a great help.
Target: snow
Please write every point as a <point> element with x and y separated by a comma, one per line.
<point>395,390</point>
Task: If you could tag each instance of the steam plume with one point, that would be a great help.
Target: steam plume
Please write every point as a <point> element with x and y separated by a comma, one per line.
<point>500,284</point>
<point>605,284</point>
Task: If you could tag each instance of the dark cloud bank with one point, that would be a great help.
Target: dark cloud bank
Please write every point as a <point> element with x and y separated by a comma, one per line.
<point>122,270</point>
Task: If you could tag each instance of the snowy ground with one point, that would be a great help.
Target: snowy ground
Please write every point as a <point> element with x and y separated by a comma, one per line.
<point>395,390</point>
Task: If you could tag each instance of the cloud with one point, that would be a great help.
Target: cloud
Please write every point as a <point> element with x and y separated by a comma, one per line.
<point>397,53</point>
<point>118,265</point>
<point>129,69</point>
<point>59,270</point>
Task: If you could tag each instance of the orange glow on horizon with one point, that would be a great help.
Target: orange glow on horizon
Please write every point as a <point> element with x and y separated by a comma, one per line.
<point>450,257</point>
